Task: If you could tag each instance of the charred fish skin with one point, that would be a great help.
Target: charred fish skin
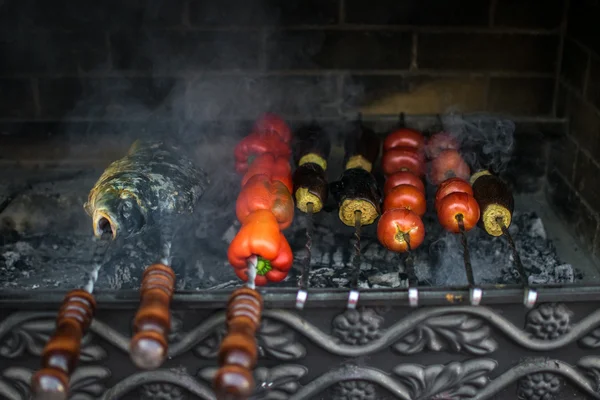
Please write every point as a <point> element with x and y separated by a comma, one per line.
<point>153,181</point>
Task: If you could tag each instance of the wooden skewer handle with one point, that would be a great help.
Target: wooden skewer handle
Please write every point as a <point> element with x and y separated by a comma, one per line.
<point>238,352</point>
<point>61,353</point>
<point>152,323</point>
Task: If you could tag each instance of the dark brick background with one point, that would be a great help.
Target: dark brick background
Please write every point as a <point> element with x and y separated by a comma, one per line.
<point>253,46</point>
<point>90,67</point>
<point>574,173</point>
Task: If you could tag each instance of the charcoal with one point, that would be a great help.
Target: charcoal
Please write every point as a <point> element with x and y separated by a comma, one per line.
<point>54,255</point>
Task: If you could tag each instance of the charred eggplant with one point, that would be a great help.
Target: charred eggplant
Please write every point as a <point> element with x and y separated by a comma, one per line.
<point>495,201</point>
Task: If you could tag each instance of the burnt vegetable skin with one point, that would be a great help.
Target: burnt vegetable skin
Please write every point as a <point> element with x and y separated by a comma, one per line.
<point>311,150</point>
<point>311,145</point>
<point>310,186</point>
<point>361,148</point>
<point>495,201</point>
<point>357,190</point>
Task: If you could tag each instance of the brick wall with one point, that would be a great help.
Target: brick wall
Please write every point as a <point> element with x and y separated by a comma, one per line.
<point>574,175</point>
<point>206,59</point>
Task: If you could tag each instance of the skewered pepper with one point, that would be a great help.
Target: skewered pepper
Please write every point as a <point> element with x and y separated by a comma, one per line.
<point>276,168</point>
<point>260,236</point>
<point>263,193</point>
<point>396,225</point>
<point>256,144</point>
<point>272,123</point>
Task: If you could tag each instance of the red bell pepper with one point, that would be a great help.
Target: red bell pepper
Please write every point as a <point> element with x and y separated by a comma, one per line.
<point>260,236</point>
<point>262,193</point>
<point>256,144</point>
<point>276,168</point>
<point>273,123</point>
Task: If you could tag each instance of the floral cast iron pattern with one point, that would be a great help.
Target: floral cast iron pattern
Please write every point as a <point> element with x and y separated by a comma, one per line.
<point>547,321</point>
<point>357,327</point>
<point>355,390</point>
<point>276,383</point>
<point>458,333</point>
<point>275,340</point>
<point>87,383</point>
<point>459,328</point>
<point>451,381</point>
<point>539,386</point>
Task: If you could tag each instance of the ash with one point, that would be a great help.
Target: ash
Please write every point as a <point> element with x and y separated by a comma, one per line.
<point>46,242</point>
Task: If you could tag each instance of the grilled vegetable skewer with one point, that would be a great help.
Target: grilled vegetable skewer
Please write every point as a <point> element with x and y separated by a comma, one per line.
<point>61,354</point>
<point>497,205</point>
<point>356,192</point>
<point>311,151</point>
<point>457,209</point>
<point>400,228</point>
<point>259,252</point>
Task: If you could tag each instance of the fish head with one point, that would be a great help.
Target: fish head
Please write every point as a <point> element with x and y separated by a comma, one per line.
<point>118,214</point>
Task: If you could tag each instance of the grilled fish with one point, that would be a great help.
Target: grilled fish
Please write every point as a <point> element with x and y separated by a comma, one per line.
<point>154,181</point>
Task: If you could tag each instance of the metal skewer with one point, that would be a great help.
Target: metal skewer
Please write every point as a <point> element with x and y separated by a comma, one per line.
<point>354,294</point>
<point>413,292</point>
<point>303,291</point>
<point>475,293</point>
<point>61,354</point>
<point>530,296</point>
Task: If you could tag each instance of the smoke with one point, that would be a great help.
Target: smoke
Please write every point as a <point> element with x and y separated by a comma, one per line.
<point>486,142</point>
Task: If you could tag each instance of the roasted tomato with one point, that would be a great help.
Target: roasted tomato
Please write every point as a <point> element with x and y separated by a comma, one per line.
<point>394,224</point>
<point>403,159</point>
<point>440,142</point>
<point>404,137</point>
<point>455,204</point>
<point>403,178</point>
<point>452,185</point>
<point>272,123</point>
<point>406,196</point>
<point>449,164</point>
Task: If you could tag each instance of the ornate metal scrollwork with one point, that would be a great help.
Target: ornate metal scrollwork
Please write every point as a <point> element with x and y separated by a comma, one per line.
<point>547,321</point>
<point>357,327</point>
<point>87,383</point>
<point>276,383</point>
<point>355,390</point>
<point>453,332</point>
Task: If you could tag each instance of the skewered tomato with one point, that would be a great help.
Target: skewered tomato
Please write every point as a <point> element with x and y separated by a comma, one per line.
<point>403,159</point>
<point>403,178</point>
<point>406,196</point>
<point>450,186</point>
<point>273,123</point>
<point>448,164</point>
<point>439,142</point>
<point>404,137</point>
<point>455,204</point>
<point>395,224</point>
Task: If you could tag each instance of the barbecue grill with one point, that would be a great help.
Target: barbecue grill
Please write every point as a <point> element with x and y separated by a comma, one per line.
<point>464,315</point>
